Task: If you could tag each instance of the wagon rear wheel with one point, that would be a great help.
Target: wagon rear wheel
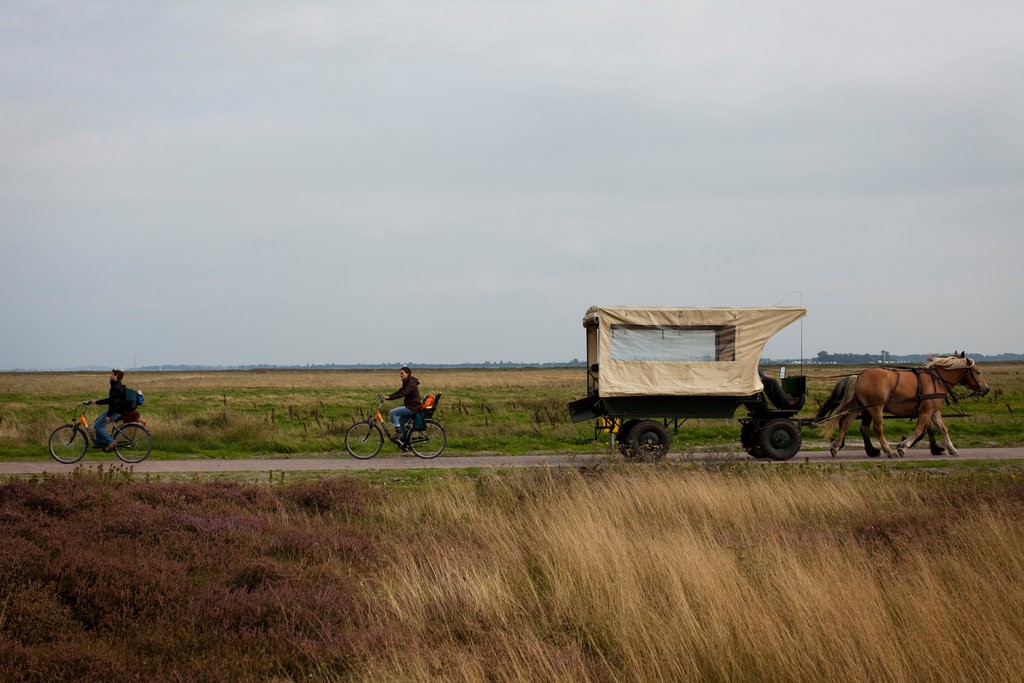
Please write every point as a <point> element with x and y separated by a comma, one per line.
<point>622,439</point>
<point>649,441</point>
<point>780,439</point>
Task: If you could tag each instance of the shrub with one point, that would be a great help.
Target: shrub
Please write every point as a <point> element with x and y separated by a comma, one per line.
<point>111,578</point>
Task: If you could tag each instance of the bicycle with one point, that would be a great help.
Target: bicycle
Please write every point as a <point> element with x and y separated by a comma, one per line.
<point>68,443</point>
<point>425,436</point>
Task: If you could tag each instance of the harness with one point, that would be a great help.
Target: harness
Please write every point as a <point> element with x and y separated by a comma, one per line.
<point>920,396</point>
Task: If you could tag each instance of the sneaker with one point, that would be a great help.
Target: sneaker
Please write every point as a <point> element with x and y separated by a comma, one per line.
<point>110,447</point>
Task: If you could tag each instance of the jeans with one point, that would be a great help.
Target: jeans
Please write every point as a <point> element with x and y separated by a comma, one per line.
<point>102,435</point>
<point>399,416</point>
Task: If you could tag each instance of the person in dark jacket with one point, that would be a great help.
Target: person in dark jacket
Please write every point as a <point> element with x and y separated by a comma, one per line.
<point>411,404</point>
<point>776,394</point>
<point>115,411</point>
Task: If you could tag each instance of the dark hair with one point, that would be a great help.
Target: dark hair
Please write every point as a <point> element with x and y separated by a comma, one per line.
<point>118,373</point>
<point>405,369</point>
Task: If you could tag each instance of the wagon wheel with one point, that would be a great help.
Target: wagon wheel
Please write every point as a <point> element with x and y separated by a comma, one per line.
<point>750,438</point>
<point>649,441</point>
<point>622,439</point>
<point>780,439</point>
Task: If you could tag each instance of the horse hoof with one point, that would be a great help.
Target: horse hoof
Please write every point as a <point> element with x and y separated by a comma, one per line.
<point>899,452</point>
<point>833,451</point>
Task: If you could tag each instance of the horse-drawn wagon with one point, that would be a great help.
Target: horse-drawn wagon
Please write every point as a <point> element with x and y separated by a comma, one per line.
<point>649,369</point>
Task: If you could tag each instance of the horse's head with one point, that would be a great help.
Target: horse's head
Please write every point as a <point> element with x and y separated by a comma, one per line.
<point>959,369</point>
<point>973,380</point>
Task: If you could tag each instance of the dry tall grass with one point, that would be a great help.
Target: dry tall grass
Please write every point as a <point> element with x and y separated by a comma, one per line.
<point>647,574</point>
<point>694,575</point>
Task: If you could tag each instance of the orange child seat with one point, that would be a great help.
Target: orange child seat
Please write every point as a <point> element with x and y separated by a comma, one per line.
<point>429,404</point>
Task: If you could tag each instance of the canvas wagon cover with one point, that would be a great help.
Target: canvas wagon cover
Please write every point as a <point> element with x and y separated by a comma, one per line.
<point>683,351</point>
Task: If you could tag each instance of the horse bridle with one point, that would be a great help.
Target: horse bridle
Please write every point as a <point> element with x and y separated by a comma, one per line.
<point>969,373</point>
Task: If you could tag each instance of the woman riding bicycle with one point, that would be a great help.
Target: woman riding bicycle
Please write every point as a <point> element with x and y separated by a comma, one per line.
<point>410,391</point>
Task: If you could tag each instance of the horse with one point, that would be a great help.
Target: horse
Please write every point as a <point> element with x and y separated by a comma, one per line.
<point>916,392</point>
<point>836,398</point>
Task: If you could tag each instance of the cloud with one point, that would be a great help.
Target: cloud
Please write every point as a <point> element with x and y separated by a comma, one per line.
<point>267,169</point>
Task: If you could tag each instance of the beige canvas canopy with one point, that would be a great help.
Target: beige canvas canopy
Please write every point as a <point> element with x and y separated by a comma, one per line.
<point>680,351</point>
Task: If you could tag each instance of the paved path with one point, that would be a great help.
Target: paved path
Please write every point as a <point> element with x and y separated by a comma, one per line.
<point>385,461</point>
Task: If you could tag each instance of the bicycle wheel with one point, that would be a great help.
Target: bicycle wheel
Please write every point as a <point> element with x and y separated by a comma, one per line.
<point>68,444</point>
<point>430,441</point>
<point>363,440</point>
<point>133,442</point>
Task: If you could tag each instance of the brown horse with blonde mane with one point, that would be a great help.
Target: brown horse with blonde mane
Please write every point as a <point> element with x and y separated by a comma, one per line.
<point>905,392</point>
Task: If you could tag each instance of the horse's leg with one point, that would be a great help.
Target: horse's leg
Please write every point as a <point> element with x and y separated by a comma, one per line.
<point>840,439</point>
<point>935,448</point>
<point>940,423</point>
<point>865,432</point>
<point>915,436</point>
<point>876,419</point>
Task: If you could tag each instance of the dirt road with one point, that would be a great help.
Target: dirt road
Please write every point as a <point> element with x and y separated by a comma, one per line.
<point>340,461</point>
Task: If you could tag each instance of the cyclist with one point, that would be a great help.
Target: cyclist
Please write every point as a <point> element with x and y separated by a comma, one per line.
<point>410,391</point>
<point>116,409</point>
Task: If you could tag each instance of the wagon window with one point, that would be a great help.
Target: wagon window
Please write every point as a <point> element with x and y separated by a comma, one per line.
<point>669,343</point>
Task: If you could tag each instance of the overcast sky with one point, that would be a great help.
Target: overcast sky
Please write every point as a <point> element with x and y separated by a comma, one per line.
<point>440,182</point>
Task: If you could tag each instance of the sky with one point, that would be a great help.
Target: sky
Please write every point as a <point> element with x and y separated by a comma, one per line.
<point>227,183</point>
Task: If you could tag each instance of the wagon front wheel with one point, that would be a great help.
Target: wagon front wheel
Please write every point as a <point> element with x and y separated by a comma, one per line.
<point>648,441</point>
<point>780,439</point>
<point>750,438</point>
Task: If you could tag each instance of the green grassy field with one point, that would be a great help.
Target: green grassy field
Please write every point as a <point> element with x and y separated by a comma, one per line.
<point>245,413</point>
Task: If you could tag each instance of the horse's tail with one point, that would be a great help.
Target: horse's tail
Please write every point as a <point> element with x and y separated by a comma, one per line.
<point>834,399</point>
<point>839,401</point>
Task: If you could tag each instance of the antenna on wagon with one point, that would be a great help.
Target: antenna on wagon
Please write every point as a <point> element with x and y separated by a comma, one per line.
<point>801,295</point>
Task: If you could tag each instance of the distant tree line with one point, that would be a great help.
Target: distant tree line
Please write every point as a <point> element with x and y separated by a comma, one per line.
<point>826,358</point>
<point>352,366</point>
